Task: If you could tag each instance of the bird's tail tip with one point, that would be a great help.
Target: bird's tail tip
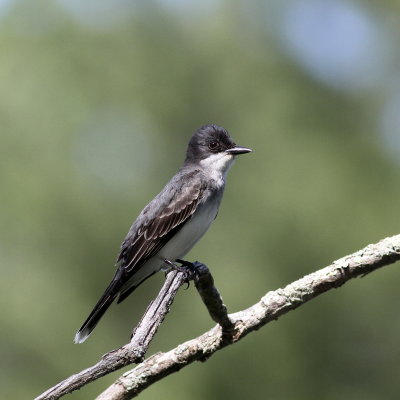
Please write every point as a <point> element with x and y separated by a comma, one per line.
<point>81,336</point>
<point>94,317</point>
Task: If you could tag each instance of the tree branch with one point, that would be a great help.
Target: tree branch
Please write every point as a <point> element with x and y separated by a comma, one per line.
<point>232,327</point>
<point>269,308</point>
<point>144,332</point>
<point>130,353</point>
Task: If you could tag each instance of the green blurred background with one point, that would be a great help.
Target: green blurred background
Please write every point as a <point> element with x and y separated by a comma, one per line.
<point>98,100</point>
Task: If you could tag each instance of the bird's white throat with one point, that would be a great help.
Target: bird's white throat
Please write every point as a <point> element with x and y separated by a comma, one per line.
<point>216,166</point>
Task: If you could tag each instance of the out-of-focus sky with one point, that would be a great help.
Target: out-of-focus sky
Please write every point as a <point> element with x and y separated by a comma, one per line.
<point>347,45</point>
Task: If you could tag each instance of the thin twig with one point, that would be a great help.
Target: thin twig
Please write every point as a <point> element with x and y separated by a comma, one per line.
<point>157,310</point>
<point>270,307</point>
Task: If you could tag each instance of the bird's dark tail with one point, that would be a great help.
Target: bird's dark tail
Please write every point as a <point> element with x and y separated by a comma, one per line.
<point>99,309</point>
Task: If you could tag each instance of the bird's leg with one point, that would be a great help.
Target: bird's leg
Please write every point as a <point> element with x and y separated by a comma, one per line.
<point>186,264</point>
<point>172,266</point>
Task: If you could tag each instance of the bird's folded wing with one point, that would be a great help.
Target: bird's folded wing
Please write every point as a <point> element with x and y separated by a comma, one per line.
<point>166,214</point>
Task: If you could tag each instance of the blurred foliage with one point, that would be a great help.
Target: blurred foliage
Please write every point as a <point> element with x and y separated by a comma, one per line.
<point>95,120</point>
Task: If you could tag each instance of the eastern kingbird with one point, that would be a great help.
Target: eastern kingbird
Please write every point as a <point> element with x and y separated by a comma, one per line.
<point>172,223</point>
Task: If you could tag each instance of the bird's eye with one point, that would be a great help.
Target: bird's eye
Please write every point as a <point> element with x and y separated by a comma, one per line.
<point>212,145</point>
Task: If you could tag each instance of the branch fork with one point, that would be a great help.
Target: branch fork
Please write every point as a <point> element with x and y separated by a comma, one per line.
<point>135,351</point>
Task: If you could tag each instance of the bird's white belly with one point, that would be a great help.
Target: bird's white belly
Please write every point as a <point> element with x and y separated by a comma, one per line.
<point>179,245</point>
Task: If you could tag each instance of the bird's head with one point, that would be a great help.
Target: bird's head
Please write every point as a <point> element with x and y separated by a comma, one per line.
<point>212,148</point>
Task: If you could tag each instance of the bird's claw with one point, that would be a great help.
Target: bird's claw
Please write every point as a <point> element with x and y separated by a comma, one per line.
<point>187,264</point>
<point>175,267</point>
<point>187,267</point>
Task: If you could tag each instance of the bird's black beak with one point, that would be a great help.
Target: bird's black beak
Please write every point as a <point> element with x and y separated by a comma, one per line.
<point>238,150</point>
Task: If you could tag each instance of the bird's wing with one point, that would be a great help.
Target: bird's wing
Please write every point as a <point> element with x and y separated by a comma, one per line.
<point>166,214</point>
<point>160,220</point>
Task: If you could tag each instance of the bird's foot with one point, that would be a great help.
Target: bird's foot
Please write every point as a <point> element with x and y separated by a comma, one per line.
<point>186,264</point>
<point>187,267</point>
<point>172,266</point>
<point>196,266</point>
<point>193,269</point>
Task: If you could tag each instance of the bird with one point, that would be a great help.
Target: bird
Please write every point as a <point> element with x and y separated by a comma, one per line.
<point>174,221</point>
